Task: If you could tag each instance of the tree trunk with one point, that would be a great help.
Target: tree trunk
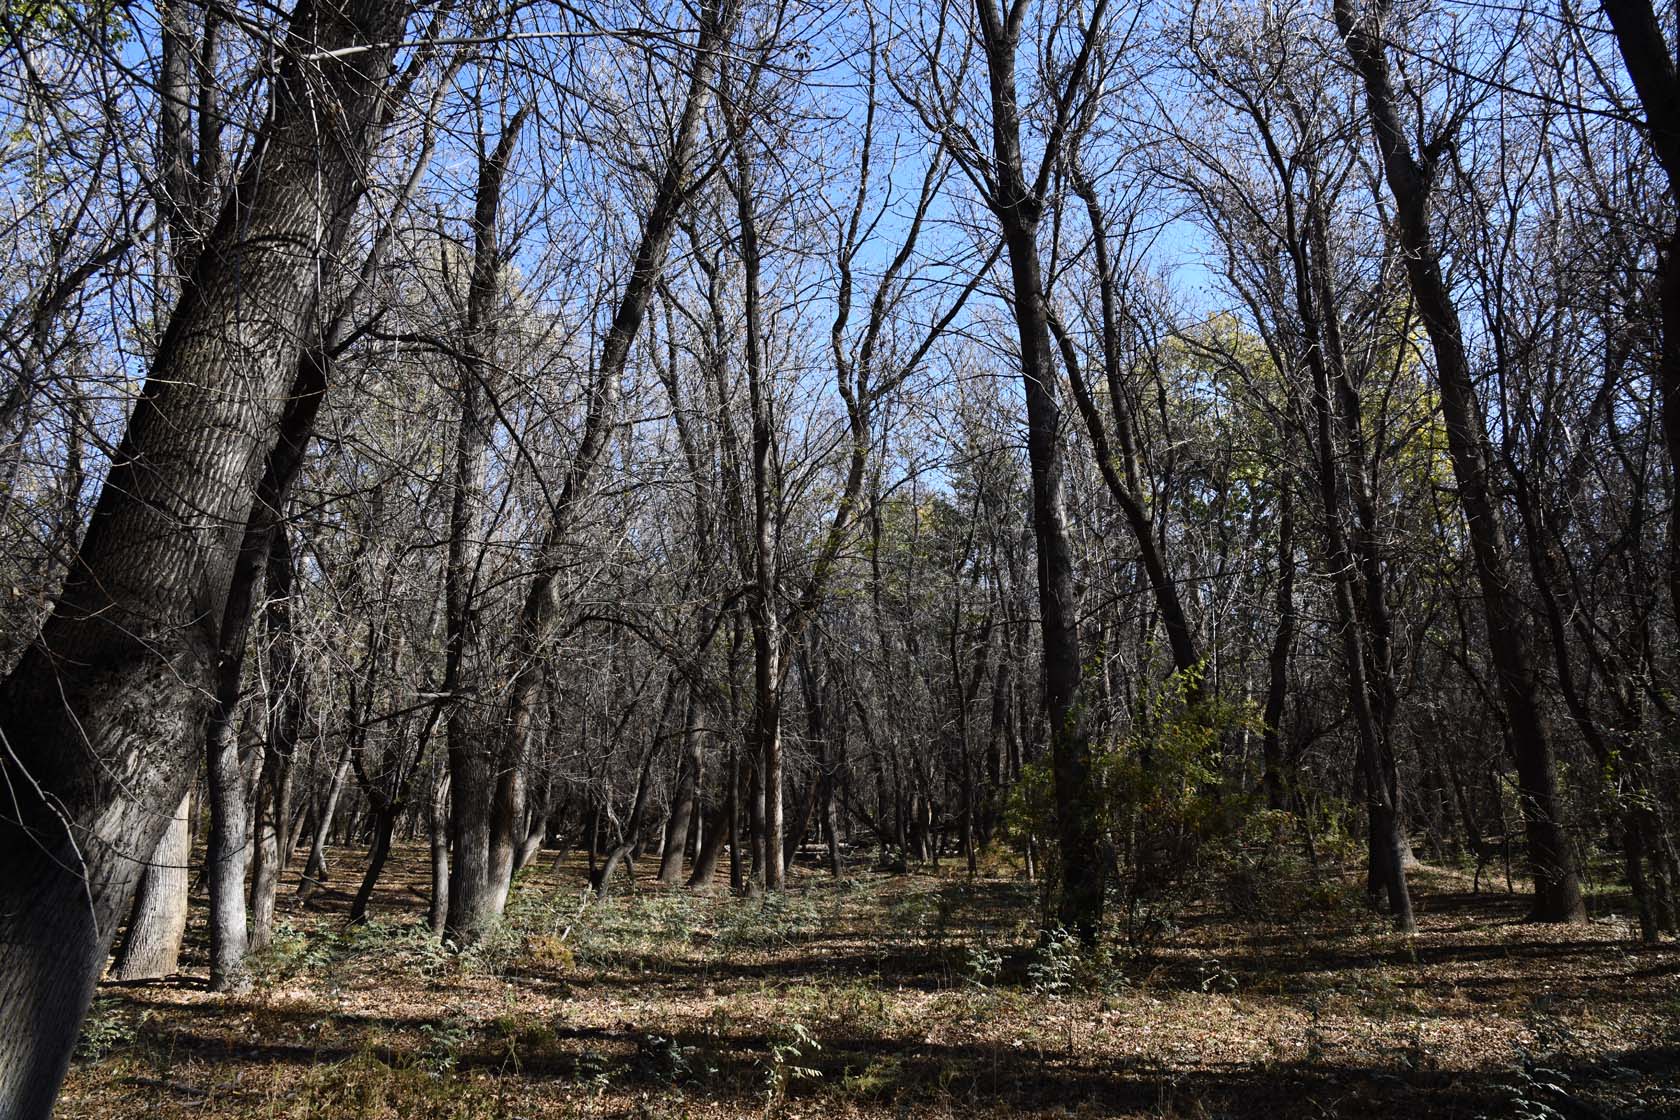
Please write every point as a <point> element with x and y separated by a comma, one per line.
<point>152,947</point>
<point>104,712</point>
<point>711,847</point>
<point>1277,663</point>
<point>384,823</point>
<point>438,821</point>
<point>1650,63</point>
<point>1557,887</point>
<point>766,621</point>
<point>315,867</point>
<point>285,715</point>
<point>479,882</point>
<point>688,783</point>
<point>1018,207</point>
<point>227,855</point>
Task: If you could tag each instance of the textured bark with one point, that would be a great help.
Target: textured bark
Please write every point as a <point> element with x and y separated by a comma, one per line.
<point>229,852</point>
<point>104,714</point>
<point>152,946</point>
<point>1557,887</point>
<point>438,825</point>
<point>483,871</point>
<point>717,831</point>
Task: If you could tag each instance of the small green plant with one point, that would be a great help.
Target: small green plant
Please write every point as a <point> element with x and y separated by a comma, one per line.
<point>443,1042</point>
<point>663,1058</point>
<point>109,1026</point>
<point>1055,965</point>
<point>1213,976</point>
<point>1539,1087</point>
<point>595,1071</point>
<point>796,1045</point>
<point>1314,1035</point>
<point>983,965</point>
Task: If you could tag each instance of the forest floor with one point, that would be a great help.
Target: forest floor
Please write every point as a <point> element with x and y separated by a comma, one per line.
<point>895,996</point>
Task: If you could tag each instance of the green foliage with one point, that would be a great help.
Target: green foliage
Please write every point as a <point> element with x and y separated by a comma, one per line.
<point>1159,797</point>
<point>1264,874</point>
<point>443,1043</point>
<point>773,920</point>
<point>1055,964</point>
<point>1171,819</point>
<point>983,966</point>
<point>782,1067</point>
<point>109,1026</point>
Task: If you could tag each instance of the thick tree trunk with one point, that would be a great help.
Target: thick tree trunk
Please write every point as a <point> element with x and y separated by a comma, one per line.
<point>152,946</point>
<point>711,847</point>
<point>737,870</point>
<point>228,853</point>
<point>103,715</point>
<point>479,881</point>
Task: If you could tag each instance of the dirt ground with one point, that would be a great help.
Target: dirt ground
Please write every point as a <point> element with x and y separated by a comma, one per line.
<point>926,995</point>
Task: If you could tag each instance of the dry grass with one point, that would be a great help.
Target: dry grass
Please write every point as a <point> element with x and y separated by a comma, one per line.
<point>898,996</point>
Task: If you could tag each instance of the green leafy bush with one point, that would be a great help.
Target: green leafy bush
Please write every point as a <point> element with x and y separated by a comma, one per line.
<point>1160,801</point>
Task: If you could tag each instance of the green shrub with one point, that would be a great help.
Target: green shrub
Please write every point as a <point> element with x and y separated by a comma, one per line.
<point>1160,801</point>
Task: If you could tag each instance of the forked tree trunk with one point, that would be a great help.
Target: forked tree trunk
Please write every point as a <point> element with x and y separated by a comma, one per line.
<point>711,846</point>
<point>1018,206</point>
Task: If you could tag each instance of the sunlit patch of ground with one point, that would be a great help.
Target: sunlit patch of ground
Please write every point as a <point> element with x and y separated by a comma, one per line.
<point>889,996</point>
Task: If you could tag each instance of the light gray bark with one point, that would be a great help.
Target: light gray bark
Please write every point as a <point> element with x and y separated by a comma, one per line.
<point>151,948</point>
